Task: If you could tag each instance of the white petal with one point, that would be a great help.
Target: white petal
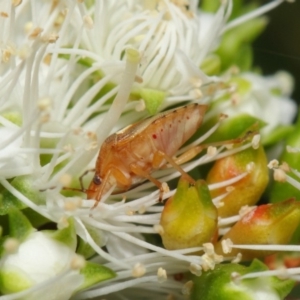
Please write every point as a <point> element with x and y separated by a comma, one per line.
<point>40,257</point>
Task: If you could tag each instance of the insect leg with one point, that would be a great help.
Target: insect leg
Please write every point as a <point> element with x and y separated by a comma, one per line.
<point>175,165</point>
<point>191,153</point>
<point>136,169</point>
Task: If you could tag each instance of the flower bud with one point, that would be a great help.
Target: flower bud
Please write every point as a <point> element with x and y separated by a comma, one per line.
<point>189,218</point>
<point>225,282</point>
<point>248,190</point>
<point>282,190</point>
<point>43,264</point>
<point>264,225</point>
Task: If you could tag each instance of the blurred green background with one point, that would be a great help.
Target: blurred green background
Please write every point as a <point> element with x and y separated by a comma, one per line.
<point>278,48</point>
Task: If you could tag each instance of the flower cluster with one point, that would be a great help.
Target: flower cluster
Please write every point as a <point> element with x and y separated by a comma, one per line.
<point>175,203</point>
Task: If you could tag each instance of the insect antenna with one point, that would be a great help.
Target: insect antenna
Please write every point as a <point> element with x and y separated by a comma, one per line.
<point>66,188</point>
<point>81,179</point>
<point>82,189</point>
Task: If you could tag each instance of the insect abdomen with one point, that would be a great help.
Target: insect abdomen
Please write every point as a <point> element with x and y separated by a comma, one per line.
<point>173,129</point>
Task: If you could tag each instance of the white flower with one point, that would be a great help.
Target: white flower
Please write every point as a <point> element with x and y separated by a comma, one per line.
<point>67,70</point>
<point>38,260</point>
<point>265,98</point>
<point>11,142</point>
<point>169,37</point>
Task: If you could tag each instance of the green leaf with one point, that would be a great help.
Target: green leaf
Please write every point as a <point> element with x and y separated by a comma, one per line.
<point>222,287</point>
<point>46,143</point>
<point>218,281</point>
<point>13,281</point>
<point>280,286</point>
<point>233,127</point>
<point>210,6</point>
<point>152,98</point>
<point>280,191</point>
<point>86,61</point>
<point>283,287</point>
<point>94,273</point>
<point>235,43</point>
<point>89,3</point>
<point>2,243</point>
<point>84,248</point>
<point>211,65</point>
<point>278,134</point>
<point>239,7</point>
<point>244,58</point>
<point>19,225</point>
<point>13,116</point>
<point>256,266</point>
<point>66,235</point>
<point>35,218</point>
<point>23,184</point>
<point>9,202</point>
<point>242,86</point>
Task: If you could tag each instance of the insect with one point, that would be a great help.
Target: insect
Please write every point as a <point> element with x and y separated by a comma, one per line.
<point>132,154</point>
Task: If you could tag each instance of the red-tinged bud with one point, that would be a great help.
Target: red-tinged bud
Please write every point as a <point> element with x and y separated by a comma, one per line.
<point>248,190</point>
<point>269,224</point>
<point>189,218</point>
<point>283,260</point>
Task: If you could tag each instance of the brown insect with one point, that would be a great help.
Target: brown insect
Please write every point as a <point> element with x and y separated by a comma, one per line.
<point>132,154</point>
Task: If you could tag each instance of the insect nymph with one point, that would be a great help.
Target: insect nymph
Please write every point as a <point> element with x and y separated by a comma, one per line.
<point>132,154</point>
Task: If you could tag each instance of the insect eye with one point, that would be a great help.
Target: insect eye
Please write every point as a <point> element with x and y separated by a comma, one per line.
<point>97,180</point>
